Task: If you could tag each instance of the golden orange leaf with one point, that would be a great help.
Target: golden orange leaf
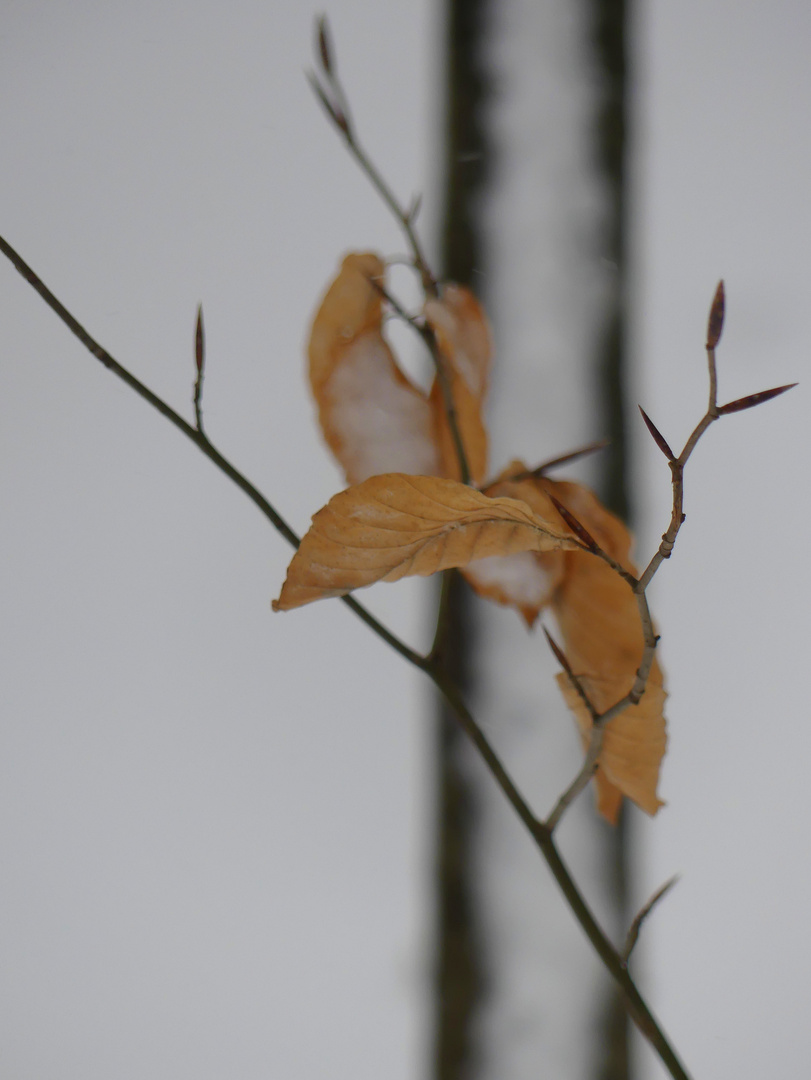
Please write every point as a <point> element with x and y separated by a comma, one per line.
<point>463,338</point>
<point>634,742</point>
<point>373,418</point>
<point>603,642</point>
<point>526,581</point>
<point>600,626</point>
<point>396,525</point>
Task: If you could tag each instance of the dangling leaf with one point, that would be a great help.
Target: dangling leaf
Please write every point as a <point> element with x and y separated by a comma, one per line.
<point>634,742</point>
<point>463,337</point>
<point>395,525</point>
<point>373,418</point>
<point>602,638</point>
<point>526,581</point>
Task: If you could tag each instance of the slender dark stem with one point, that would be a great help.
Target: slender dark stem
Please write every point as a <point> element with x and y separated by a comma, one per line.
<point>338,113</point>
<point>199,439</point>
<point>542,836</point>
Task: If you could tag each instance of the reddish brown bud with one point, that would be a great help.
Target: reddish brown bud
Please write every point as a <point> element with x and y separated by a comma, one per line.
<point>715,323</point>
<point>753,399</point>
<point>324,49</point>
<point>200,341</point>
<point>565,459</point>
<point>658,437</point>
<point>559,656</point>
<point>580,531</point>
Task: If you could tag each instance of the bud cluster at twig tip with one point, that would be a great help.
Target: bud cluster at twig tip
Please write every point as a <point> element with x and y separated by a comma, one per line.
<point>715,323</point>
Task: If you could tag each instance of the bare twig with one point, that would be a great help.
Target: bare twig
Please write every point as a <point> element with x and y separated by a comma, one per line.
<point>639,586</point>
<point>200,440</point>
<point>589,765</point>
<point>547,466</point>
<point>636,925</point>
<point>333,98</point>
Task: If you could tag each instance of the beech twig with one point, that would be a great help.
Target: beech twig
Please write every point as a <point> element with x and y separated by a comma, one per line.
<point>431,665</point>
<point>334,101</point>
<point>640,585</point>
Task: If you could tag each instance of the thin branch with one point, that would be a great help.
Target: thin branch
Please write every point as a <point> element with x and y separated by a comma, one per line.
<point>197,437</point>
<point>636,925</point>
<point>640,585</point>
<point>541,834</point>
<point>589,765</point>
<point>333,98</point>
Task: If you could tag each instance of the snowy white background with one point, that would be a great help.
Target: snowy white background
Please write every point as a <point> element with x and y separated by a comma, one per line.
<point>213,821</point>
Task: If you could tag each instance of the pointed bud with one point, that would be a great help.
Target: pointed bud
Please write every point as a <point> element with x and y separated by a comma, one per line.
<point>753,399</point>
<point>199,341</point>
<point>573,455</point>
<point>658,437</point>
<point>715,323</point>
<point>559,656</point>
<point>580,531</point>
<point>324,49</point>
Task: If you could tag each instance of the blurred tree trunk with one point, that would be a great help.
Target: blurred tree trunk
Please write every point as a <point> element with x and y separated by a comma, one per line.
<point>517,994</point>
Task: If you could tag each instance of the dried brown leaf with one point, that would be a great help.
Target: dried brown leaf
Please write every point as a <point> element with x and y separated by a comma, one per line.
<point>526,581</point>
<point>463,337</point>
<point>373,418</point>
<point>633,744</point>
<point>600,628</point>
<point>396,525</point>
<point>603,641</point>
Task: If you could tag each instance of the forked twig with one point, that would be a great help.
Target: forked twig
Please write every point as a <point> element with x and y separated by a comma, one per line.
<point>333,98</point>
<point>640,585</point>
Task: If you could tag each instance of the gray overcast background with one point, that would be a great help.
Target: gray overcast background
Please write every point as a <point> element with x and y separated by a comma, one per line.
<point>213,820</point>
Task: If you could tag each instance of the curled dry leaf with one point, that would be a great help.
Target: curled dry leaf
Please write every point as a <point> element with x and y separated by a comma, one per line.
<point>600,629</point>
<point>395,525</point>
<point>527,581</point>
<point>602,638</point>
<point>373,418</point>
<point>633,745</point>
<point>463,339</point>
